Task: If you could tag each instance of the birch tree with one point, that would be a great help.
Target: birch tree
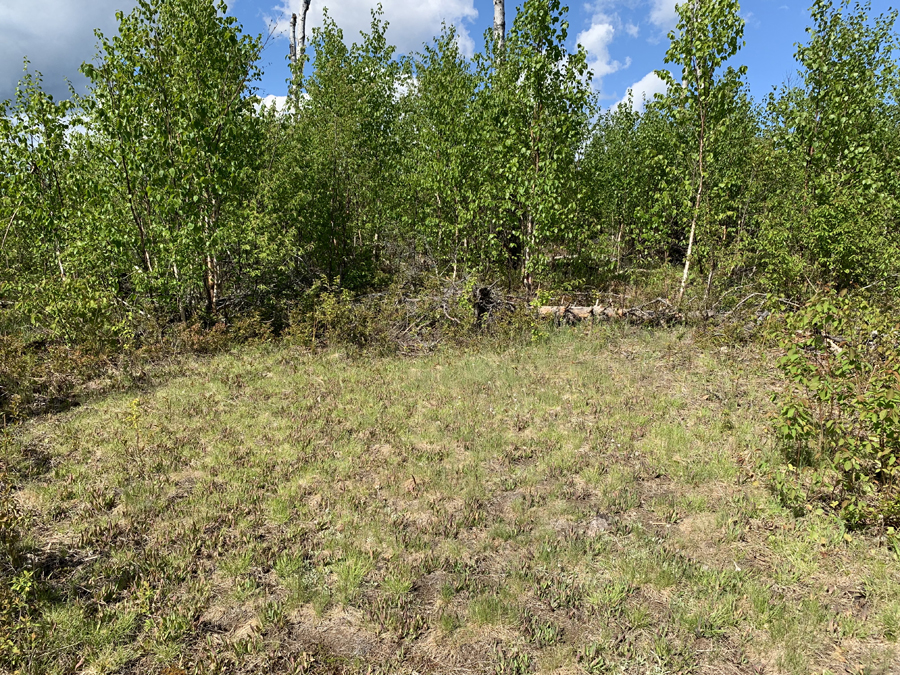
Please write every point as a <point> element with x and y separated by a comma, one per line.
<point>709,32</point>
<point>536,105</point>
<point>443,171</point>
<point>171,111</point>
<point>840,127</point>
<point>298,52</point>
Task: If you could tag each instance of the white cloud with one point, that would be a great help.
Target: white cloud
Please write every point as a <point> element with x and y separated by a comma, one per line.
<point>56,35</point>
<point>631,29</point>
<point>280,102</point>
<point>596,41</point>
<point>644,89</point>
<point>751,20</point>
<point>412,24</point>
<point>663,14</point>
<point>406,86</point>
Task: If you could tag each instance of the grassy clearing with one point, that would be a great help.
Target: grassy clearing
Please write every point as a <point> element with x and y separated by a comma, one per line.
<point>592,502</point>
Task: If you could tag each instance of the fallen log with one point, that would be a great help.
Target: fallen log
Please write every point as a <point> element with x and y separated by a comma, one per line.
<point>665,313</point>
<point>574,314</point>
<point>487,302</point>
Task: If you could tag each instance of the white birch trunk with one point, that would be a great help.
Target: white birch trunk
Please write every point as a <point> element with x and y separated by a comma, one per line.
<point>298,53</point>
<point>302,49</point>
<point>499,22</point>
<point>690,249</point>
<point>293,49</point>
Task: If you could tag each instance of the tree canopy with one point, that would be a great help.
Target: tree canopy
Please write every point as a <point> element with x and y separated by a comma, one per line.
<point>169,191</point>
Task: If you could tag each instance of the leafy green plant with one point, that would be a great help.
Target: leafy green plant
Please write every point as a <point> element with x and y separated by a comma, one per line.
<point>833,134</point>
<point>839,421</point>
<point>17,585</point>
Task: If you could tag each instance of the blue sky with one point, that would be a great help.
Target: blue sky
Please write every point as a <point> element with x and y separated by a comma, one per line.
<point>626,40</point>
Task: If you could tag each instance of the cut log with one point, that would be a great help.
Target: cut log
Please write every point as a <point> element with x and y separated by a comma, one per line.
<point>635,315</point>
<point>488,302</point>
<point>665,314</point>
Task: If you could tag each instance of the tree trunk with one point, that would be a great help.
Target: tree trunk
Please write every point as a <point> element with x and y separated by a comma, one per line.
<point>62,270</point>
<point>211,284</point>
<point>211,272</point>
<point>687,258</point>
<point>663,315</point>
<point>298,52</point>
<point>145,254</point>
<point>302,49</point>
<point>293,49</point>
<point>570,314</point>
<point>690,250</point>
<point>527,277</point>
<point>499,22</point>
<point>619,245</point>
<point>712,266</point>
<point>702,110</point>
<point>9,225</point>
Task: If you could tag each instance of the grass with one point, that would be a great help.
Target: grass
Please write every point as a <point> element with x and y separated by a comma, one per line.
<point>593,502</point>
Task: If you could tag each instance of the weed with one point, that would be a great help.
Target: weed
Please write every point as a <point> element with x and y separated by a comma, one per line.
<point>559,591</point>
<point>273,614</point>
<point>512,662</point>
<point>399,616</point>
<point>449,622</point>
<point>610,598</point>
<point>489,609</point>
<point>593,658</point>
<point>349,574</point>
<point>541,632</point>
<point>637,616</point>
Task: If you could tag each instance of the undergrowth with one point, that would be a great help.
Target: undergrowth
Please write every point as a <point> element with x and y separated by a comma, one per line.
<point>40,373</point>
<point>17,588</point>
<point>839,421</point>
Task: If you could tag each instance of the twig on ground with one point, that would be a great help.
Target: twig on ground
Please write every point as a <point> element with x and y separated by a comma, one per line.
<point>735,308</point>
<point>654,301</point>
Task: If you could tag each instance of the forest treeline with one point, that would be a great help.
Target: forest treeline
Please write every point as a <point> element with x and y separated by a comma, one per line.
<point>168,191</point>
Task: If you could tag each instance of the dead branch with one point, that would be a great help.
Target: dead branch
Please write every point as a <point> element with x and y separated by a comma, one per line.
<point>737,306</point>
<point>8,225</point>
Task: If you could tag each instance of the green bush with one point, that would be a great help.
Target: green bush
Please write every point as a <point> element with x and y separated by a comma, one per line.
<point>412,315</point>
<point>839,420</point>
<point>37,376</point>
<point>16,581</point>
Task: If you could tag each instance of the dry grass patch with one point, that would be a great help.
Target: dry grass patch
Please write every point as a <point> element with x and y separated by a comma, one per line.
<point>592,502</point>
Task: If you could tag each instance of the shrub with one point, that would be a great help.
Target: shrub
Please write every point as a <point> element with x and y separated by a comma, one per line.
<point>41,375</point>
<point>16,582</point>
<point>839,419</point>
<point>409,316</point>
